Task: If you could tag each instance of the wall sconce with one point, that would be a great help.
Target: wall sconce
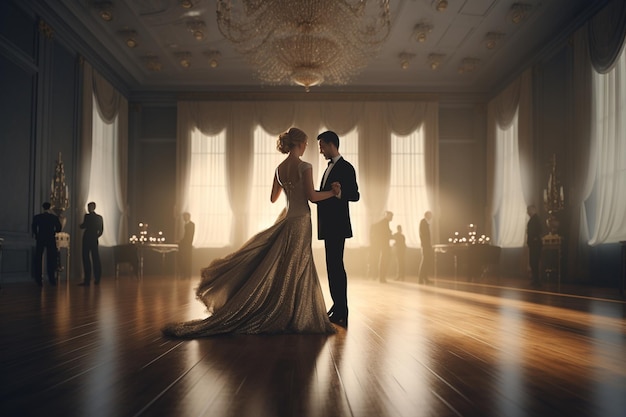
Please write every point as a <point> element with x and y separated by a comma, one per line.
<point>213,57</point>
<point>105,10</point>
<point>405,59</point>
<point>153,63</point>
<point>184,59</point>
<point>197,28</point>
<point>468,65</point>
<point>492,38</point>
<point>518,13</point>
<point>440,5</point>
<point>435,60</point>
<point>186,4</point>
<point>129,37</point>
<point>421,31</point>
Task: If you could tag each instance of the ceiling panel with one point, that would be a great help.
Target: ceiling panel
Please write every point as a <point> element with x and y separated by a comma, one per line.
<point>458,32</point>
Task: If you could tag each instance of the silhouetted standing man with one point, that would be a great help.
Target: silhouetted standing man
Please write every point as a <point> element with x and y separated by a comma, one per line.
<point>400,250</point>
<point>185,246</point>
<point>428,253</point>
<point>380,235</point>
<point>45,227</point>
<point>94,227</point>
<point>533,240</point>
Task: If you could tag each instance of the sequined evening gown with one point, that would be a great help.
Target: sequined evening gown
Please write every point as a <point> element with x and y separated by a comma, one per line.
<point>269,285</point>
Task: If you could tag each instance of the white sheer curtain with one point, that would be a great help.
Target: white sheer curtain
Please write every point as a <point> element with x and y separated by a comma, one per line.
<point>252,127</point>
<point>103,156</point>
<point>511,214</point>
<point>262,213</point>
<point>207,196</point>
<point>103,176</point>
<point>605,199</point>
<point>408,195</point>
<point>510,183</point>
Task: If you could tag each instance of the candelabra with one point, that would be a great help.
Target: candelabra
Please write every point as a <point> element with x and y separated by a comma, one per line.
<point>59,192</point>
<point>144,237</point>
<point>471,239</point>
<point>553,198</point>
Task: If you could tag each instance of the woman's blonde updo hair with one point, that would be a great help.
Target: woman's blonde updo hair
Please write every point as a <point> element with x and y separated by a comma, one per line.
<point>286,141</point>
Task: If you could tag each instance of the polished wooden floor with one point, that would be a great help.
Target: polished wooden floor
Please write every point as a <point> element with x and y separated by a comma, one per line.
<point>448,349</point>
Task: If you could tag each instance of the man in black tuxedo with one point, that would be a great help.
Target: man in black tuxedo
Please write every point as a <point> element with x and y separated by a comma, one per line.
<point>185,247</point>
<point>333,222</point>
<point>94,228</point>
<point>45,226</point>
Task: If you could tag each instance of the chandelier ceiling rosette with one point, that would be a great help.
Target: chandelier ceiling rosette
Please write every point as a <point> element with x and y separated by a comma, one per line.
<point>305,42</point>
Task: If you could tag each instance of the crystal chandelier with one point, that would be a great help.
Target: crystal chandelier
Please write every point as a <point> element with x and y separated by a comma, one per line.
<point>305,42</point>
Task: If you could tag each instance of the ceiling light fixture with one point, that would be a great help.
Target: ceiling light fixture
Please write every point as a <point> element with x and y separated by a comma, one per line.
<point>186,4</point>
<point>421,31</point>
<point>519,12</point>
<point>405,59</point>
<point>435,60</point>
<point>184,59</point>
<point>492,38</point>
<point>305,42</point>
<point>214,58</point>
<point>441,5</point>
<point>197,28</point>
<point>130,37</point>
<point>105,10</point>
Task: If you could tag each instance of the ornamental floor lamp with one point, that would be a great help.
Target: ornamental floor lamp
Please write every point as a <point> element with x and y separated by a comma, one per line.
<point>553,198</point>
<point>60,202</point>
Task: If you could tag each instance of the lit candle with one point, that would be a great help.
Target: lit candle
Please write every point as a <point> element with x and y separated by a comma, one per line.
<point>562,193</point>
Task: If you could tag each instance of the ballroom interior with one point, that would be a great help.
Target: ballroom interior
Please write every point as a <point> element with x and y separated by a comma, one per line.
<point>427,100</point>
<point>51,50</point>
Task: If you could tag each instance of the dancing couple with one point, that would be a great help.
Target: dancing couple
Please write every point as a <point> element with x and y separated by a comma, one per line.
<point>270,285</point>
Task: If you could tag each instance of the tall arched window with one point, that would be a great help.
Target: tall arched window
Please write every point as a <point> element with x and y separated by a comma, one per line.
<point>208,201</point>
<point>103,179</point>
<point>262,213</point>
<point>606,201</point>
<point>511,214</point>
<point>408,199</point>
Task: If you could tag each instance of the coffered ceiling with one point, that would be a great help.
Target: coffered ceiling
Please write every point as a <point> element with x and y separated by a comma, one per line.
<point>458,34</point>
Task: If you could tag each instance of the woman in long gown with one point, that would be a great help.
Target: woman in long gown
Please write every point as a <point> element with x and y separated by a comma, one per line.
<point>269,285</point>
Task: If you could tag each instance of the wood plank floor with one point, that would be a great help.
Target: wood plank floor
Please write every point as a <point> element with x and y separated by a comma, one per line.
<point>410,350</point>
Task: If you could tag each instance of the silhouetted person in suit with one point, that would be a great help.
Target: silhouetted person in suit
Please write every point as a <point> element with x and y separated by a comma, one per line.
<point>428,254</point>
<point>45,227</point>
<point>185,247</point>
<point>333,222</point>
<point>380,235</point>
<point>94,227</point>
<point>533,240</point>
<point>399,247</point>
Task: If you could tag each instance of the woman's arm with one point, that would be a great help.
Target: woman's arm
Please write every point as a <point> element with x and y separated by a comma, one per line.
<point>311,194</point>
<point>276,189</point>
